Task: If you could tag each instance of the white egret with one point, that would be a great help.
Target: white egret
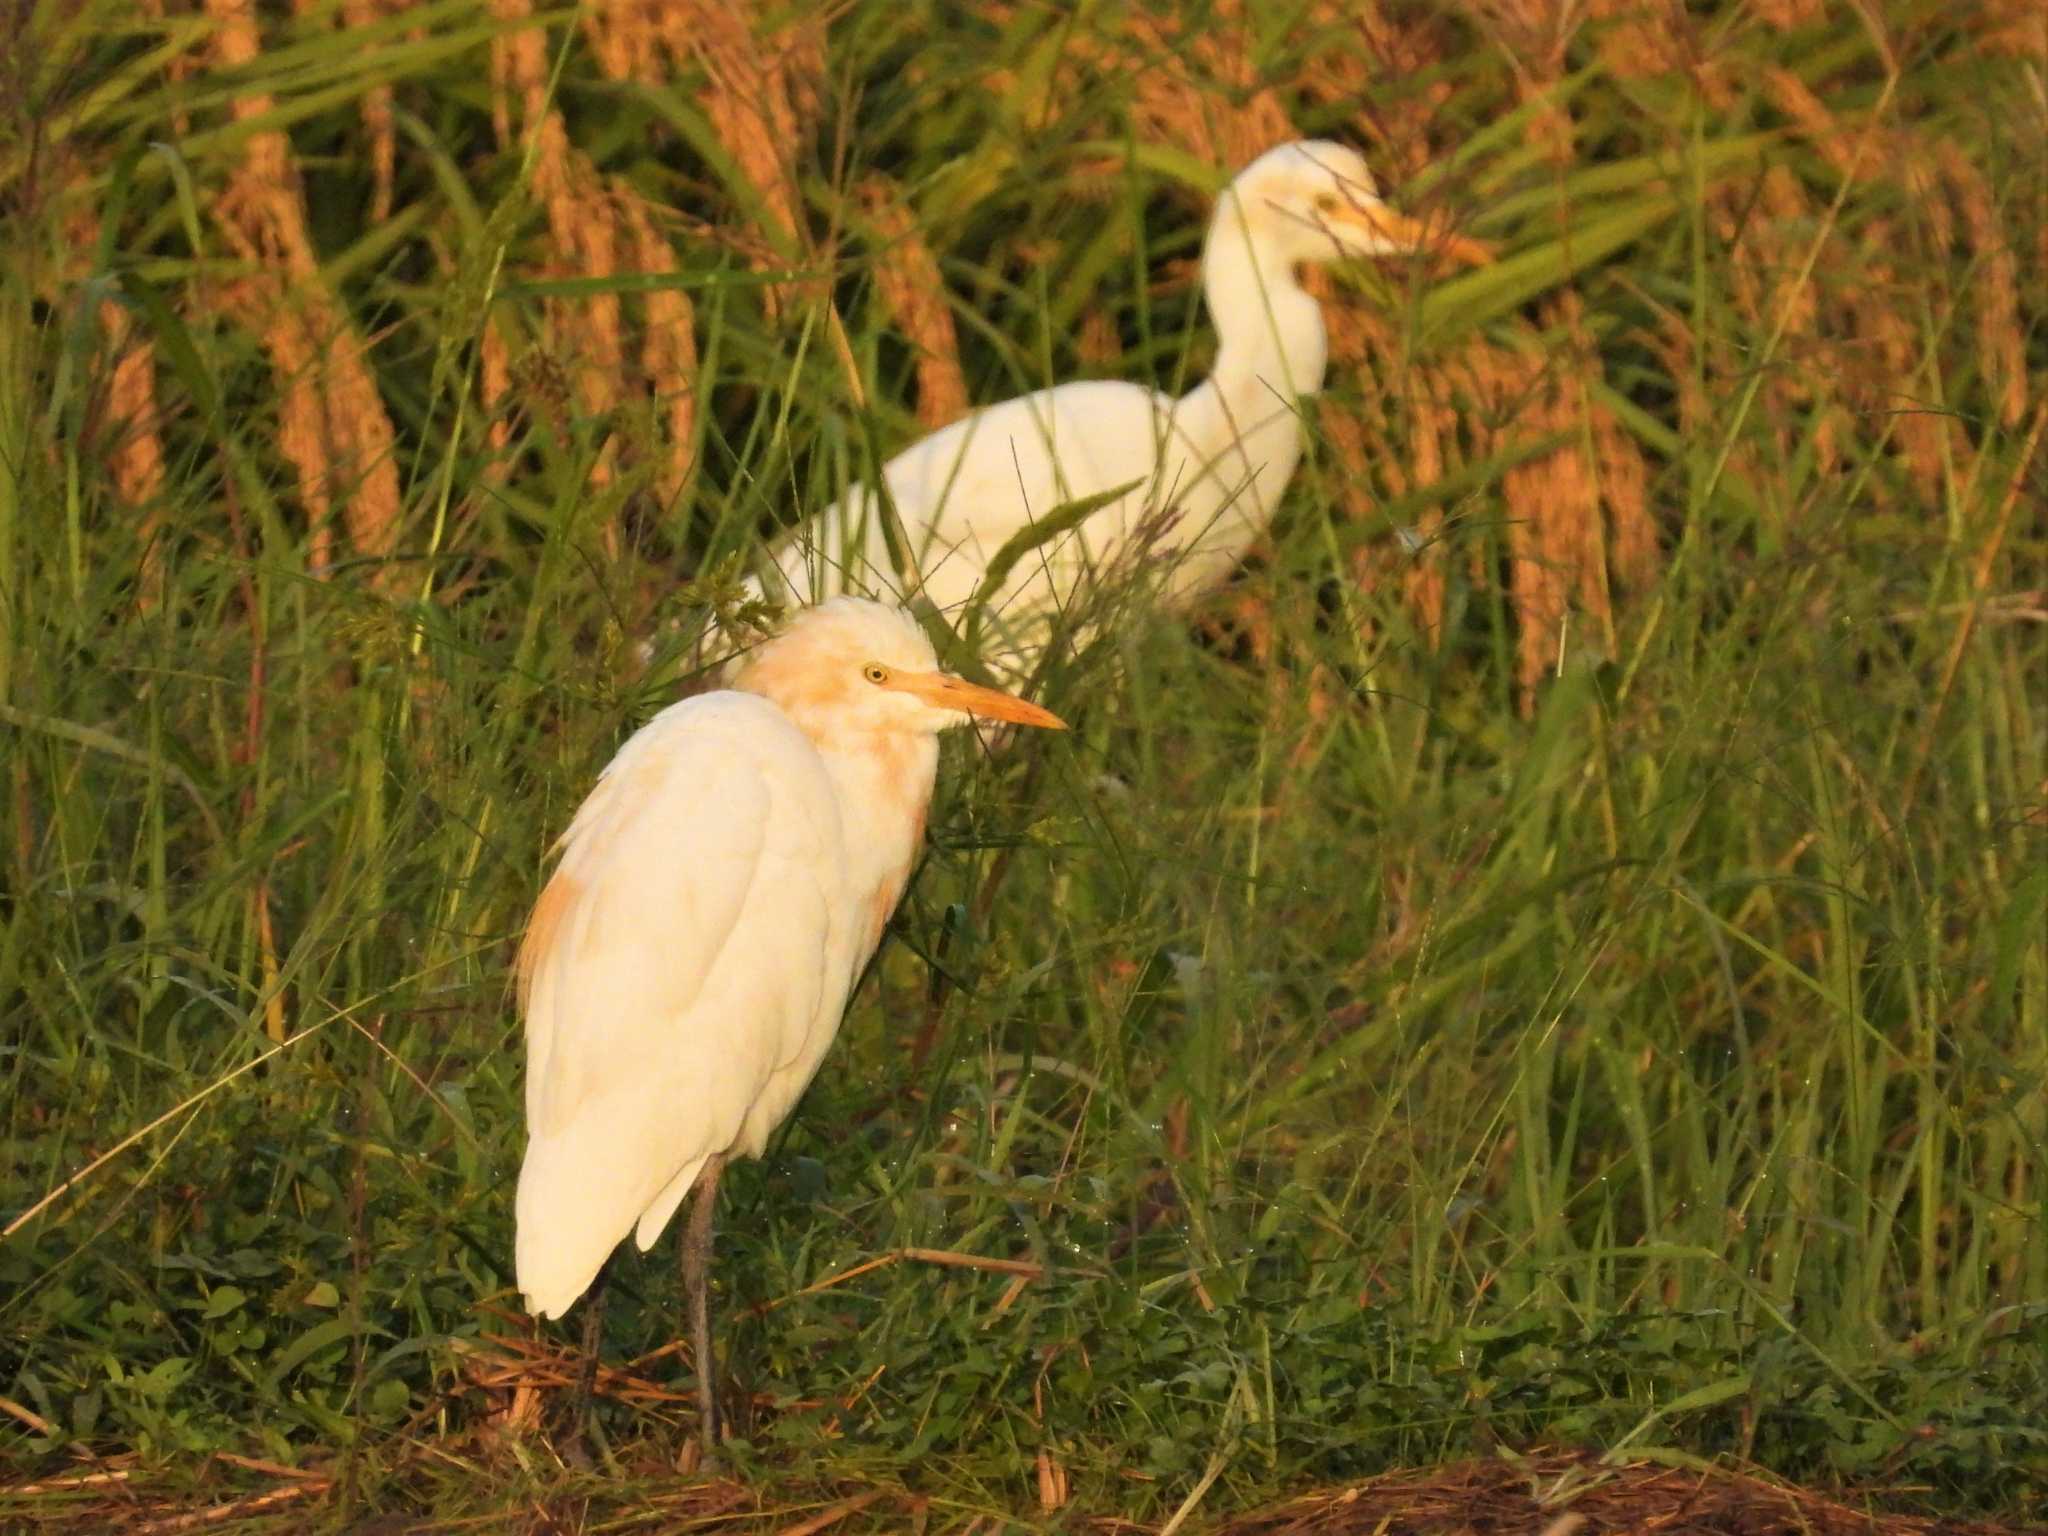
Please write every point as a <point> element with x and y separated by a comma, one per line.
<point>718,893</point>
<point>1214,461</point>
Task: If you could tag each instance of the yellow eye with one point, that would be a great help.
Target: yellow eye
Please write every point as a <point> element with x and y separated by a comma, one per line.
<point>875,673</point>
<point>1327,203</point>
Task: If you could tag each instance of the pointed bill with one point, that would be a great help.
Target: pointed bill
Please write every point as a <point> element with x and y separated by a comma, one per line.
<point>1412,234</point>
<point>942,690</point>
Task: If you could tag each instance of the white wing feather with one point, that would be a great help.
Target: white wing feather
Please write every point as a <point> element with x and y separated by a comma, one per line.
<point>684,977</point>
<point>967,489</point>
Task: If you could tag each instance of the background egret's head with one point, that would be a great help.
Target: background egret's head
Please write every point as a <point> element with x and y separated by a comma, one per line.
<point>1316,200</point>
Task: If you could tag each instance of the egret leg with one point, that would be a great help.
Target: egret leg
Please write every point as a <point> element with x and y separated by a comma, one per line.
<point>586,1376</point>
<point>697,1239</point>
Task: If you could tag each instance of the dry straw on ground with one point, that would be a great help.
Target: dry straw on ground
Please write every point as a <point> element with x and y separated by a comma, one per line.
<point>1576,1493</point>
<point>1542,1493</point>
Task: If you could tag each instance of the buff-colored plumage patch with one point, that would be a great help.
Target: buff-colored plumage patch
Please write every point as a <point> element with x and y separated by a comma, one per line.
<point>555,901</point>
<point>792,678</point>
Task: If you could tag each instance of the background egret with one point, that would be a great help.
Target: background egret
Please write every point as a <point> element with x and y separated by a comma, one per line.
<point>1215,460</point>
<point>718,894</point>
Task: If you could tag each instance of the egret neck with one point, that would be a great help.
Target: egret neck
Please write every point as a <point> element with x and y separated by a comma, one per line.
<point>1241,423</point>
<point>884,784</point>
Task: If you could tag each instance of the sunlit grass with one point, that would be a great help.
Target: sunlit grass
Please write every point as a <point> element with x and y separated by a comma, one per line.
<point>1384,1059</point>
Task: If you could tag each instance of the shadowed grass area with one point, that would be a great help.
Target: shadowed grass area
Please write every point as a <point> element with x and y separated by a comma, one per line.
<point>1553,954</point>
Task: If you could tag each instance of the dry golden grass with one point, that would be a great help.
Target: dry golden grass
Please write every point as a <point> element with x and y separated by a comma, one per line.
<point>668,345</point>
<point>378,124</point>
<point>1579,535</point>
<point>179,68</point>
<point>1361,46</point>
<point>1199,88</point>
<point>1553,501</point>
<point>494,386</point>
<point>1097,343</point>
<point>2001,338</point>
<point>127,420</point>
<point>1532,37</point>
<point>334,427</point>
<point>1649,40</point>
<point>908,278</point>
<point>1849,322</point>
<point>2016,27</point>
<point>597,228</point>
<point>584,334</point>
<point>761,90</point>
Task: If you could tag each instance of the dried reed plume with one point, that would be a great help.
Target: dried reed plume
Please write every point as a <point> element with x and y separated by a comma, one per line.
<point>1645,41</point>
<point>2001,335</point>
<point>668,349</point>
<point>1534,37</point>
<point>1555,549</point>
<point>334,427</point>
<point>378,122</point>
<point>583,235</point>
<point>907,276</point>
<point>1197,87</point>
<point>762,91</point>
<point>128,419</point>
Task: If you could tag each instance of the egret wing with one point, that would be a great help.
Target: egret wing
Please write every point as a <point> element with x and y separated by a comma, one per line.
<point>679,958</point>
<point>965,491</point>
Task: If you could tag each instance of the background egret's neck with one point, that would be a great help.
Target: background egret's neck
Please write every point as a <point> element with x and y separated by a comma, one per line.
<point>1241,429</point>
<point>1271,342</point>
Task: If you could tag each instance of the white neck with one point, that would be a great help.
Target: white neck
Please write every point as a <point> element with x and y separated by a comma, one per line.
<point>884,785</point>
<point>1242,424</point>
<point>1272,347</point>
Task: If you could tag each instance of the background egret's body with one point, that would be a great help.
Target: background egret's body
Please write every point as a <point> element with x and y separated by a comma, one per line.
<point>1215,460</point>
<point>718,894</point>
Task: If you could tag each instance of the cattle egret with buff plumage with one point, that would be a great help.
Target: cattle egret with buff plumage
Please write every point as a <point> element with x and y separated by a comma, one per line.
<point>718,895</point>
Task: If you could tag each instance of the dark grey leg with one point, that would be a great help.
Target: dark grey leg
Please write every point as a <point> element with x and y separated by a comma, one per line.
<point>696,1286</point>
<point>586,1377</point>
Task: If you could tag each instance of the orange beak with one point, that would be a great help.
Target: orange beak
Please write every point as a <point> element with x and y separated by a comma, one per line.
<point>1412,234</point>
<point>942,690</point>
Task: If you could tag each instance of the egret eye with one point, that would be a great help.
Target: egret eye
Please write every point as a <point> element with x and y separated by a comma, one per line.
<point>875,673</point>
<point>1326,202</point>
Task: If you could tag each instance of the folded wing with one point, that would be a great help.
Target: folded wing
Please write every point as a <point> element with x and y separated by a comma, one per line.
<point>966,490</point>
<point>680,965</point>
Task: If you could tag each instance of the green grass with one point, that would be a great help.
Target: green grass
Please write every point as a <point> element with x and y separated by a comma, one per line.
<point>1380,1075</point>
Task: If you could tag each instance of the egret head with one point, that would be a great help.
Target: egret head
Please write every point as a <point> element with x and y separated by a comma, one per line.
<point>851,666</point>
<point>1314,201</point>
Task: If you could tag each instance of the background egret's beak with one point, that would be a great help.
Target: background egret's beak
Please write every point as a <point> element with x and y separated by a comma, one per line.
<point>1404,233</point>
<point>941,690</point>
